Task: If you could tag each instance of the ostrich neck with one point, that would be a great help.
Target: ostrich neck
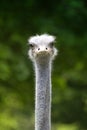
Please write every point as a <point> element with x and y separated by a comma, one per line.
<point>43,95</point>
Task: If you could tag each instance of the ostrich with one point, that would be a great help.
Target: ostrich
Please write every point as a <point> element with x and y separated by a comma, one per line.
<point>42,52</point>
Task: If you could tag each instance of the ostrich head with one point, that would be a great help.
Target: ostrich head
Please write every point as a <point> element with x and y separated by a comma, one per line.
<point>41,47</point>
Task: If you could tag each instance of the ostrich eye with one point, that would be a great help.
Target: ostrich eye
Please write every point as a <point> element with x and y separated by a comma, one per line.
<point>51,44</point>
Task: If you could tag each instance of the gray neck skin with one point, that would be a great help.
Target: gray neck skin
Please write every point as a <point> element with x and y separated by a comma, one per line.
<point>43,95</point>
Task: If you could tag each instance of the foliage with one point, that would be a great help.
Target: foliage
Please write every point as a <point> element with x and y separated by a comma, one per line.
<point>67,20</point>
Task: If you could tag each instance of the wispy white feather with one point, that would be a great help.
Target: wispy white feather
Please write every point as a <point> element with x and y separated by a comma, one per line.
<point>41,39</point>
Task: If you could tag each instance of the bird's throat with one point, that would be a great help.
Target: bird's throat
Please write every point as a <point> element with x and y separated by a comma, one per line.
<point>43,95</point>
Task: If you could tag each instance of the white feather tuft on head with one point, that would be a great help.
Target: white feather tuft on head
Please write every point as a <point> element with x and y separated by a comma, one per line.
<point>41,39</point>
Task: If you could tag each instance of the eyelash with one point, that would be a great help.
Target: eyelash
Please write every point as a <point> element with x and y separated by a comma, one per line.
<point>31,45</point>
<point>51,44</point>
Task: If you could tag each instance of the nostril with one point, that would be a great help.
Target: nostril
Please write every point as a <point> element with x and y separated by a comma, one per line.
<point>38,49</point>
<point>46,48</point>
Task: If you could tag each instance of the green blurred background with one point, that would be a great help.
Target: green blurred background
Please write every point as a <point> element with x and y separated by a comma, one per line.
<point>67,20</point>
